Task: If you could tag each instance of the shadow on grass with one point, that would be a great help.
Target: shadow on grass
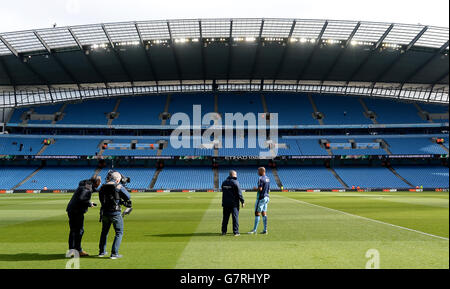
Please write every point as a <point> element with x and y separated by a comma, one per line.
<point>31,257</point>
<point>185,235</point>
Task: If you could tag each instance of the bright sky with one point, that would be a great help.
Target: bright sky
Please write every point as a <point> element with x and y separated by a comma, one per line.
<point>31,14</point>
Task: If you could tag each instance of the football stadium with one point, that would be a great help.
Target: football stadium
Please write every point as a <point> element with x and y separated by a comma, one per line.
<point>349,119</point>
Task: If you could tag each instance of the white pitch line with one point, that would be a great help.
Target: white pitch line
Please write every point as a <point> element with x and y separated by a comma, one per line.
<point>365,218</point>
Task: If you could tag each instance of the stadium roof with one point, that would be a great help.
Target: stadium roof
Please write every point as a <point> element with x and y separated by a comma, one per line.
<point>328,56</point>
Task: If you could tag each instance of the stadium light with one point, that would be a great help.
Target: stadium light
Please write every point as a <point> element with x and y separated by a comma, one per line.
<point>332,41</point>
<point>159,41</point>
<point>250,39</point>
<point>97,46</point>
<point>128,43</point>
<point>303,40</point>
<point>392,45</point>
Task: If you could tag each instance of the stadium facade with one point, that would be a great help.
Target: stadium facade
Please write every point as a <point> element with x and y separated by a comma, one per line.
<point>360,105</point>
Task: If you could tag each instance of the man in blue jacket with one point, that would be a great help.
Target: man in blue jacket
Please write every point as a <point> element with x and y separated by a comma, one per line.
<point>231,197</point>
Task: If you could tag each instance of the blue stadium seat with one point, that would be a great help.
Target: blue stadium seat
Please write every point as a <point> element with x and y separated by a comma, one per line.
<point>339,109</point>
<point>426,176</point>
<point>369,177</point>
<point>58,178</point>
<point>73,146</point>
<point>40,109</point>
<point>240,102</point>
<point>184,103</point>
<point>178,178</point>
<point>13,175</point>
<point>423,145</point>
<point>393,112</point>
<point>12,146</point>
<point>375,148</point>
<point>311,147</point>
<point>292,109</point>
<point>140,110</point>
<point>307,177</point>
<point>96,112</point>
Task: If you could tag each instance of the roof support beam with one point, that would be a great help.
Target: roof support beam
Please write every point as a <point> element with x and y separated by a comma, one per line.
<point>285,49</point>
<point>57,60</point>
<point>230,50</point>
<point>313,52</point>
<point>117,54</point>
<point>88,58</point>
<point>202,50</point>
<point>400,56</point>
<point>372,51</point>
<point>147,55</point>
<point>336,61</point>
<point>174,52</point>
<point>428,61</point>
<point>257,52</point>
<point>41,78</point>
<point>24,61</point>
<point>9,46</point>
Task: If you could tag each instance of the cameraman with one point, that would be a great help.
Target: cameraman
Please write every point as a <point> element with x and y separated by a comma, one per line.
<point>112,195</point>
<point>77,207</point>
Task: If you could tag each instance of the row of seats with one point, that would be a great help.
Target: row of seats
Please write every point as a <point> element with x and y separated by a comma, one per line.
<point>364,177</point>
<point>307,178</point>
<point>202,178</point>
<point>179,178</point>
<point>10,145</point>
<point>57,178</point>
<point>12,175</point>
<point>292,109</point>
<point>425,176</point>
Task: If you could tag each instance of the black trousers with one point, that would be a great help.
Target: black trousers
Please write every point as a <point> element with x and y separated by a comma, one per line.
<point>234,212</point>
<point>76,224</point>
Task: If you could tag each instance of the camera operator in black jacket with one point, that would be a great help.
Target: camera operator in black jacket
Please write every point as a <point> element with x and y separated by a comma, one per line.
<point>112,196</point>
<point>77,207</point>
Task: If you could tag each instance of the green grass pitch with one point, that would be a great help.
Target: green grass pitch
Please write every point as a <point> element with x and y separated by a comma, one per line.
<point>181,230</point>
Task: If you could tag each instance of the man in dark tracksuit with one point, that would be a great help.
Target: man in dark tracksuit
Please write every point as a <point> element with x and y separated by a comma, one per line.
<point>77,207</point>
<point>231,196</point>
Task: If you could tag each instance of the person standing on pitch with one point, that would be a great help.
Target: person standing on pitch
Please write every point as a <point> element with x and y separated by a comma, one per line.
<point>112,195</point>
<point>231,197</point>
<point>77,207</point>
<point>262,199</point>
